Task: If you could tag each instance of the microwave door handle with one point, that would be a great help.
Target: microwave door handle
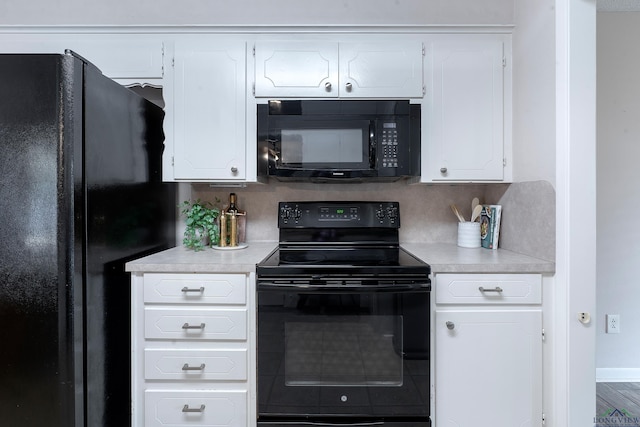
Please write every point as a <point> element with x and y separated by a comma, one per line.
<point>372,145</point>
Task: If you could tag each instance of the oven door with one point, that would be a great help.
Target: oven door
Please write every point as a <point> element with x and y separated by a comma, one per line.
<point>343,354</point>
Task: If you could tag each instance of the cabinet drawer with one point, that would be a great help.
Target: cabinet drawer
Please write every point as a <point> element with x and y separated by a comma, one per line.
<point>195,408</point>
<point>204,324</point>
<point>488,289</point>
<point>195,288</point>
<point>165,364</point>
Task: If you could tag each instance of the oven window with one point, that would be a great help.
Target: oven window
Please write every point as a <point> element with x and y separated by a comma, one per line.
<point>302,146</point>
<point>345,351</point>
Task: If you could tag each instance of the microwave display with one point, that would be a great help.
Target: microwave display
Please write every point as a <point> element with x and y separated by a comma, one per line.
<point>338,140</point>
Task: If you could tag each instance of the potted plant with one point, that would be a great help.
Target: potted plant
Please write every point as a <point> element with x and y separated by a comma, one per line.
<point>202,224</point>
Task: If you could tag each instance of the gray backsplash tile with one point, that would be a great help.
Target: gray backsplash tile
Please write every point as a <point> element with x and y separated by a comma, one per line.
<point>425,213</point>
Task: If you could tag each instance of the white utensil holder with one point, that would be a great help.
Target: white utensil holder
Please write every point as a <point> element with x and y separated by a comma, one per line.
<point>469,234</point>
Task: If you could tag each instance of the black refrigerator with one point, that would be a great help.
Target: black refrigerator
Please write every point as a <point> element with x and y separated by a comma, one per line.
<point>81,193</point>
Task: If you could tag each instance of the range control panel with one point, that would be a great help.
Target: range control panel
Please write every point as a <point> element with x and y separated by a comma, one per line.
<point>339,215</point>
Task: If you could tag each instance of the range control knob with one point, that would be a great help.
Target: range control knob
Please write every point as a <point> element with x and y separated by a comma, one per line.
<point>297,213</point>
<point>380,214</point>
<point>392,212</point>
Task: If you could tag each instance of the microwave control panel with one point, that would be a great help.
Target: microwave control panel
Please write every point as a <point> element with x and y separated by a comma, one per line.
<point>389,142</point>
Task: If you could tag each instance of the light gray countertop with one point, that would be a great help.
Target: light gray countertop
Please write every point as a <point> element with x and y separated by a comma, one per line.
<point>449,258</point>
<point>443,258</point>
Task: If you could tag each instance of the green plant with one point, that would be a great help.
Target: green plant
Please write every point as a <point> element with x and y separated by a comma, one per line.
<point>202,225</point>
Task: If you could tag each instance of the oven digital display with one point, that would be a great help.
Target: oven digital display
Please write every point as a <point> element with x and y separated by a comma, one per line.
<point>338,212</point>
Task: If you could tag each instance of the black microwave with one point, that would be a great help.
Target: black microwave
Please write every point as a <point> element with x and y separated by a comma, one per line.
<point>338,140</point>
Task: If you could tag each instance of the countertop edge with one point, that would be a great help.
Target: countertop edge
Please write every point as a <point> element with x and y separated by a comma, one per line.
<point>442,257</point>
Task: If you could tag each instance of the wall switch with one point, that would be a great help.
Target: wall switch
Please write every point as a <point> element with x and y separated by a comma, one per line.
<point>613,323</point>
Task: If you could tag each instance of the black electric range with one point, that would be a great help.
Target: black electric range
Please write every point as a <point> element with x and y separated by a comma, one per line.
<point>343,320</point>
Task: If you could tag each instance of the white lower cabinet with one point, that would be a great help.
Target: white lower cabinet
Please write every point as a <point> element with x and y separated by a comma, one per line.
<point>488,350</point>
<point>193,350</point>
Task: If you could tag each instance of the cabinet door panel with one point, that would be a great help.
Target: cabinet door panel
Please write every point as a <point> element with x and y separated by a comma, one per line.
<point>296,69</point>
<point>466,128</point>
<point>488,368</point>
<point>210,111</point>
<point>381,70</point>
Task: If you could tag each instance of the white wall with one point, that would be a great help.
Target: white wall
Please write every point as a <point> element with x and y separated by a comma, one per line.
<point>618,193</point>
<point>255,12</point>
<point>534,112</point>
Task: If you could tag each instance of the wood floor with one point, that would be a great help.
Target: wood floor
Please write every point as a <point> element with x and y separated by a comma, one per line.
<point>621,396</point>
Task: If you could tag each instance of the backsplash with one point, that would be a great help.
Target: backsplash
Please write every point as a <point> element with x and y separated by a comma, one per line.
<point>424,209</point>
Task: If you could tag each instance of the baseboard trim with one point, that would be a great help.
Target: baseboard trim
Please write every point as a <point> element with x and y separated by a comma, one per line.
<point>617,375</point>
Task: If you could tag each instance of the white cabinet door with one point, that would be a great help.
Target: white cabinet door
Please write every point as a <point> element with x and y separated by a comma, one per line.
<point>381,70</point>
<point>465,135</point>
<point>210,110</point>
<point>488,367</point>
<point>123,57</point>
<point>320,69</point>
<point>296,69</point>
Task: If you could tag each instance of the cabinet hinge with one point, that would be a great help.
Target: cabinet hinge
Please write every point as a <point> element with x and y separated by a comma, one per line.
<point>424,50</point>
<point>162,59</point>
<point>504,61</point>
<point>253,88</point>
<point>424,90</point>
<point>544,418</point>
<point>173,161</point>
<point>254,50</point>
<point>543,335</point>
<point>504,162</point>
<point>173,62</point>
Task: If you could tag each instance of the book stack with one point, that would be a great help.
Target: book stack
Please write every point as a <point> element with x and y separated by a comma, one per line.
<point>490,226</point>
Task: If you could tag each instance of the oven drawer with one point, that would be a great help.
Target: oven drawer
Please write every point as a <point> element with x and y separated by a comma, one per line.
<point>195,408</point>
<point>195,288</point>
<point>488,289</point>
<point>197,324</point>
<point>195,365</point>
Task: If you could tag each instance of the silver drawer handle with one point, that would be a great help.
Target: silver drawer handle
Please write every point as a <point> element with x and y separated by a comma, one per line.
<point>186,367</point>
<point>185,289</point>
<point>186,408</point>
<point>496,289</point>
<point>188,326</point>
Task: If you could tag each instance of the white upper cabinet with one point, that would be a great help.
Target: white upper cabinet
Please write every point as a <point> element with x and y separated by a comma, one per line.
<point>209,113</point>
<point>467,128</point>
<point>134,58</point>
<point>330,69</point>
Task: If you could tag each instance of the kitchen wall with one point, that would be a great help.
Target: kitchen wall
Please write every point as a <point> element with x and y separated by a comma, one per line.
<point>256,12</point>
<point>618,195</point>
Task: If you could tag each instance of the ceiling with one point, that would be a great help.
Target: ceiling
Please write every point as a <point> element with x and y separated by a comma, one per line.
<point>618,5</point>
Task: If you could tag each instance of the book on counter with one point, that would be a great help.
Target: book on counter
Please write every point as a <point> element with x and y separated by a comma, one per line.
<point>490,225</point>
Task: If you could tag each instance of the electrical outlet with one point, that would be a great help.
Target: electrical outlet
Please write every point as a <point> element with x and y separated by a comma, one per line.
<point>613,323</point>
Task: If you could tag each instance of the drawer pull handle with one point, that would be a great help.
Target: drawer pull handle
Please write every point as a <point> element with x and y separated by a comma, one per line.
<point>496,289</point>
<point>188,326</point>
<point>185,289</point>
<point>186,367</point>
<point>186,408</point>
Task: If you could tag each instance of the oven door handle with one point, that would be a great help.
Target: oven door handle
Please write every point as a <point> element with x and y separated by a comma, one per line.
<point>322,423</point>
<point>397,288</point>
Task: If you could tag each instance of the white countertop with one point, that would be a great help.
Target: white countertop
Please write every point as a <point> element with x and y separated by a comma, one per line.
<point>442,257</point>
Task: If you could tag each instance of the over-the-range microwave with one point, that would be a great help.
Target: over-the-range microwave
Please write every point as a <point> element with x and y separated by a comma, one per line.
<point>338,140</point>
